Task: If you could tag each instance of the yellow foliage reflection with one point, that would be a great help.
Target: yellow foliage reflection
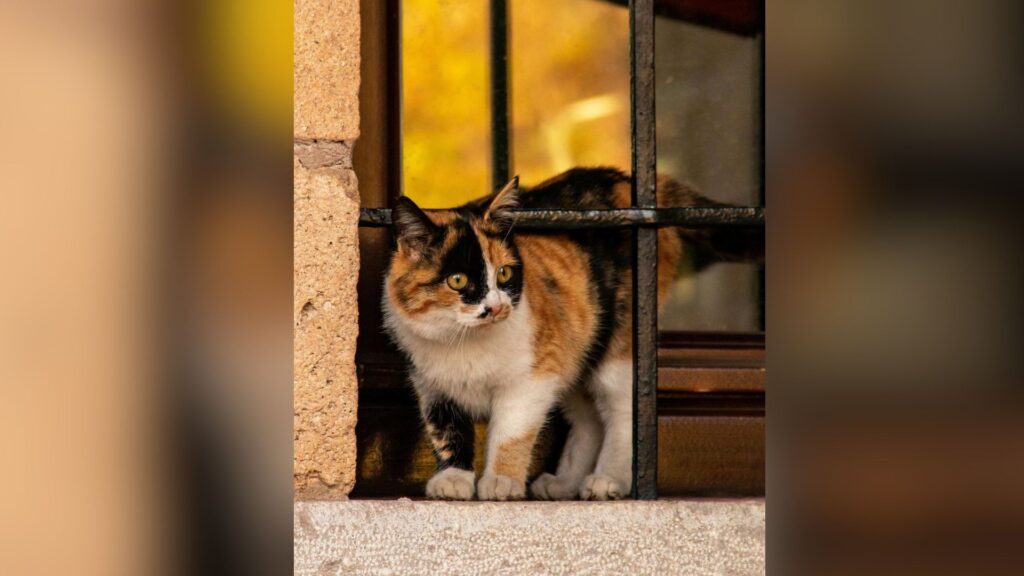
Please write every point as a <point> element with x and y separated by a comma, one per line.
<point>570,93</point>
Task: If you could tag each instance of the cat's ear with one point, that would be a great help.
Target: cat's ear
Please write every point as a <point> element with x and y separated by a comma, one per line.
<point>506,200</point>
<point>414,231</point>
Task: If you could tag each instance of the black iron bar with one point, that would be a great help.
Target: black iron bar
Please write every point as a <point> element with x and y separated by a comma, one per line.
<point>500,149</point>
<point>645,251</point>
<point>759,142</point>
<point>625,218</point>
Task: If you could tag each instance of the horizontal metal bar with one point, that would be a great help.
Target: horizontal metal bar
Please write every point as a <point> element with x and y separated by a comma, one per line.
<point>705,217</point>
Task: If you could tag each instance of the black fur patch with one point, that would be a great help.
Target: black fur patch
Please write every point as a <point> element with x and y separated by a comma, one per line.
<point>453,434</point>
<point>609,259</point>
<point>588,188</point>
<point>466,258</point>
<point>514,287</point>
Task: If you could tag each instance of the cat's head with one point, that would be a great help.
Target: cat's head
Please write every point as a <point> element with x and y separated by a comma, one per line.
<point>454,269</point>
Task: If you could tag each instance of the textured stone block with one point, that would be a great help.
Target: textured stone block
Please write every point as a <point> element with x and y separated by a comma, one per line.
<point>326,260</point>
<point>697,537</point>
<point>326,102</point>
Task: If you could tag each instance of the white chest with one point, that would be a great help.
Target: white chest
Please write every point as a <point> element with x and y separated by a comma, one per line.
<point>473,364</point>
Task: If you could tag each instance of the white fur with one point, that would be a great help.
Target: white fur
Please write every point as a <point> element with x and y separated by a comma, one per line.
<point>613,395</point>
<point>451,484</point>
<point>517,409</point>
<point>466,363</point>
<point>579,454</point>
<point>495,296</point>
<point>498,487</point>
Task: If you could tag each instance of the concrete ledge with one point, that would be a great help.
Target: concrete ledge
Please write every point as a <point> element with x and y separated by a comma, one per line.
<point>405,537</point>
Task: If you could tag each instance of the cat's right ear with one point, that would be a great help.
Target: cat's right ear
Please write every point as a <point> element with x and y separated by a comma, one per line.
<point>414,231</point>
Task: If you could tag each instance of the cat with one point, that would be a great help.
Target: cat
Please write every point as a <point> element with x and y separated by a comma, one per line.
<point>506,324</point>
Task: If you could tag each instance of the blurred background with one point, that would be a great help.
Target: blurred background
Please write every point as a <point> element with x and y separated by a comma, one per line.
<point>145,303</point>
<point>145,324</point>
<point>895,403</point>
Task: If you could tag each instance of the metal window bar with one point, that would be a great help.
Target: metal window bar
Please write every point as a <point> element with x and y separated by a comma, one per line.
<point>759,142</point>
<point>645,252</point>
<point>567,219</point>
<point>644,217</point>
<point>501,158</point>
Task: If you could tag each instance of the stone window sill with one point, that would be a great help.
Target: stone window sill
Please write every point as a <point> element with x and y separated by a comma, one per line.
<point>628,537</point>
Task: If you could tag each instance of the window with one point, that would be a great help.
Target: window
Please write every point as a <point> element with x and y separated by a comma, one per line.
<point>709,356</point>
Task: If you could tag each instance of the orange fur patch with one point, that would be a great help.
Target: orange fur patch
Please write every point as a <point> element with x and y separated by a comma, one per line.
<point>622,195</point>
<point>496,252</point>
<point>410,279</point>
<point>556,282</point>
<point>513,457</point>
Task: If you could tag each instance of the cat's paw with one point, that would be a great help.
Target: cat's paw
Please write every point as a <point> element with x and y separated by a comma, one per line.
<point>498,487</point>
<point>603,487</point>
<point>451,484</point>
<point>551,487</point>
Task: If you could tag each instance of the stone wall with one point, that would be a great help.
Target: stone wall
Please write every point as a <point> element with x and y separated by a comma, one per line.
<point>326,252</point>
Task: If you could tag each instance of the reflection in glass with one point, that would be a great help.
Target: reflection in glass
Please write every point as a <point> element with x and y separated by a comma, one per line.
<point>708,127</point>
<point>445,102</point>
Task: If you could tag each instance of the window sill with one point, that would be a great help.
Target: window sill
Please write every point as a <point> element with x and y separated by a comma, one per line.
<point>627,537</point>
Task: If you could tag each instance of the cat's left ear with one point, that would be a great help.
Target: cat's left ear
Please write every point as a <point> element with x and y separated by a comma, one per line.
<point>506,200</point>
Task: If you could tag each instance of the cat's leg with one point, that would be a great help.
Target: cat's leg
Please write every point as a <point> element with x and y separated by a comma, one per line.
<point>517,414</point>
<point>612,387</point>
<point>579,454</point>
<point>451,434</point>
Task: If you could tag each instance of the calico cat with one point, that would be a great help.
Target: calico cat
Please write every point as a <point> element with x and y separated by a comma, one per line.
<point>506,324</point>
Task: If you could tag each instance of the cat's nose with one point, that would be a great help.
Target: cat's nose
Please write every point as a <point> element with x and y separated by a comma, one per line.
<point>493,310</point>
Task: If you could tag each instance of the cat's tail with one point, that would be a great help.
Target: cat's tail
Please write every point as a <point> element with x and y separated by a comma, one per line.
<point>709,245</point>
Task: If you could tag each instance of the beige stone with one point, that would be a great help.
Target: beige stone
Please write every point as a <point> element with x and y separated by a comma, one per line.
<point>697,537</point>
<point>326,102</point>
<point>326,260</point>
<point>323,154</point>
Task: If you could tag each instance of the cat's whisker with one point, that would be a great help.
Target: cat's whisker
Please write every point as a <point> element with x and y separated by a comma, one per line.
<point>462,339</point>
<point>455,336</point>
<point>511,226</point>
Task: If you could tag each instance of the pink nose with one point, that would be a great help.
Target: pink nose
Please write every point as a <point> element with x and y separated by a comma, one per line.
<point>494,310</point>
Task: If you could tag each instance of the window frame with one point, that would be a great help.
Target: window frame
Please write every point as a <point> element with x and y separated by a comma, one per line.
<point>700,373</point>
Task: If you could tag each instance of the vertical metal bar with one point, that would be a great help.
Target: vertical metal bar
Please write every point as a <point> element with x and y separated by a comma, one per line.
<point>759,126</point>
<point>394,98</point>
<point>645,251</point>
<point>500,150</point>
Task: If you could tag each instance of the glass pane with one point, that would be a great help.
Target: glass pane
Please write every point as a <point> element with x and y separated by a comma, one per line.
<point>708,123</point>
<point>446,137</point>
<point>570,86</point>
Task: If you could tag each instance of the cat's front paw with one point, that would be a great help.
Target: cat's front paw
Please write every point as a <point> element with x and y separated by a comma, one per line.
<point>551,487</point>
<point>603,487</point>
<point>451,484</point>
<point>498,487</point>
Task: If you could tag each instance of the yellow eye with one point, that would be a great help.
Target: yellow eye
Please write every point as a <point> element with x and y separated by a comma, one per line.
<point>457,281</point>
<point>504,274</point>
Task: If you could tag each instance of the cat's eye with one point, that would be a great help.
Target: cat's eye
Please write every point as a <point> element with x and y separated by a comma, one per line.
<point>457,281</point>
<point>504,274</point>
